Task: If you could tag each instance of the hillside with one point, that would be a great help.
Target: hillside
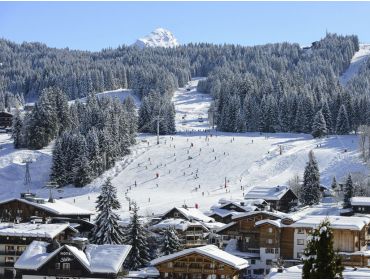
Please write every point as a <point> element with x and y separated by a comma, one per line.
<point>358,60</point>
<point>248,160</point>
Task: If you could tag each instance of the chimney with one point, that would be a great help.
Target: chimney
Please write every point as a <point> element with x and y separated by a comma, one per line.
<point>196,205</point>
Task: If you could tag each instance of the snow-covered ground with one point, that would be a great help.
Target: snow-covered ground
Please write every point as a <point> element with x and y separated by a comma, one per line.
<point>357,61</point>
<point>244,159</point>
<point>120,94</point>
<point>191,107</point>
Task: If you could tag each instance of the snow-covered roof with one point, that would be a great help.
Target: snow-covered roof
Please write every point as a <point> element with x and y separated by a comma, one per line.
<point>57,207</point>
<point>33,230</point>
<point>96,258</point>
<point>276,214</point>
<point>178,224</point>
<point>276,223</point>
<point>267,193</point>
<point>360,201</point>
<point>295,272</point>
<point>223,212</point>
<point>336,222</point>
<point>192,214</point>
<point>211,251</point>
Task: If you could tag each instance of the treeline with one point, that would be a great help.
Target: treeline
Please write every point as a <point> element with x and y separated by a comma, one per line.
<point>269,88</point>
<point>283,88</point>
<point>90,137</point>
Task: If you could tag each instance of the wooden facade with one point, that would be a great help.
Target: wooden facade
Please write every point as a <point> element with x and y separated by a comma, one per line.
<point>65,264</point>
<point>18,210</point>
<point>250,237</point>
<point>11,247</point>
<point>285,203</point>
<point>196,266</point>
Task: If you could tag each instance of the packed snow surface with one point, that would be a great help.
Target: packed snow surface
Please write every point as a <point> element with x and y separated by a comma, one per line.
<point>192,165</point>
<point>158,38</point>
<point>357,61</point>
<point>120,94</point>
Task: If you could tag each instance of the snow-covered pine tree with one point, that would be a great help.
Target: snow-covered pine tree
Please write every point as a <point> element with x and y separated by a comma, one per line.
<point>311,182</point>
<point>319,128</point>
<point>106,229</point>
<point>17,130</point>
<point>334,184</point>
<point>342,126</point>
<point>136,236</point>
<point>327,116</point>
<point>320,261</point>
<point>348,192</point>
<point>171,241</point>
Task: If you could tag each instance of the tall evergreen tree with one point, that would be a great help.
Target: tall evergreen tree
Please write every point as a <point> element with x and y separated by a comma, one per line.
<point>171,241</point>
<point>327,116</point>
<point>311,182</point>
<point>320,261</point>
<point>319,128</point>
<point>17,130</point>
<point>342,121</point>
<point>106,229</point>
<point>334,184</point>
<point>136,236</point>
<point>348,192</point>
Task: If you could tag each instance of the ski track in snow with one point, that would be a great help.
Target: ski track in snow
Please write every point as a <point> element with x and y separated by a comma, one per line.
<point>357,61</point>
<point>242,162</point>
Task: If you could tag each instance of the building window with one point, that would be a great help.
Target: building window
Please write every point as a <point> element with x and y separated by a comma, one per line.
<point>247,239</point>
<point>36,213</point>
<point>269,250</point>
<point>270,230</point>
<point>269,241</point>
<point>19,211</point>
<point>57,266</point>
<point>276,250</point>
<point>300,241</point>
<point>253,261</point>
<point>9,260</point>
<point>10,248</point>
<point>66,266</point>
<point>175,214</point>
<point>170,265</point>
<point>300,231</point>
<point>268,262</point>
<point>299,255</point>
<point>21,248</point>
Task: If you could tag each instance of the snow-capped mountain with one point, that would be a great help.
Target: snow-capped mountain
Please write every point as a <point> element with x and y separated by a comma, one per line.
<point>158,38</point>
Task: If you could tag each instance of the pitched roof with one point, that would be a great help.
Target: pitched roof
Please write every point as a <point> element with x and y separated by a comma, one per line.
<point>276,223</point>
<point>276,214</point>
<point>336,222</point>
<point>192,214</point>
<point>33,230</point>
<point>57,207</point>
<point>96,258</point>
<point>210,251</point>
<point>360,201</point>
<point>178,224</point>
<point>267,193</point>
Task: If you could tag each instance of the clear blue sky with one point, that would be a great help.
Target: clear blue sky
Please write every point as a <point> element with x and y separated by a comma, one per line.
<point>96,25</point>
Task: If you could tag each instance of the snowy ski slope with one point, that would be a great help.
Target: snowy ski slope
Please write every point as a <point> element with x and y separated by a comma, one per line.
<point>244,159</point>
<point>357,61</point>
